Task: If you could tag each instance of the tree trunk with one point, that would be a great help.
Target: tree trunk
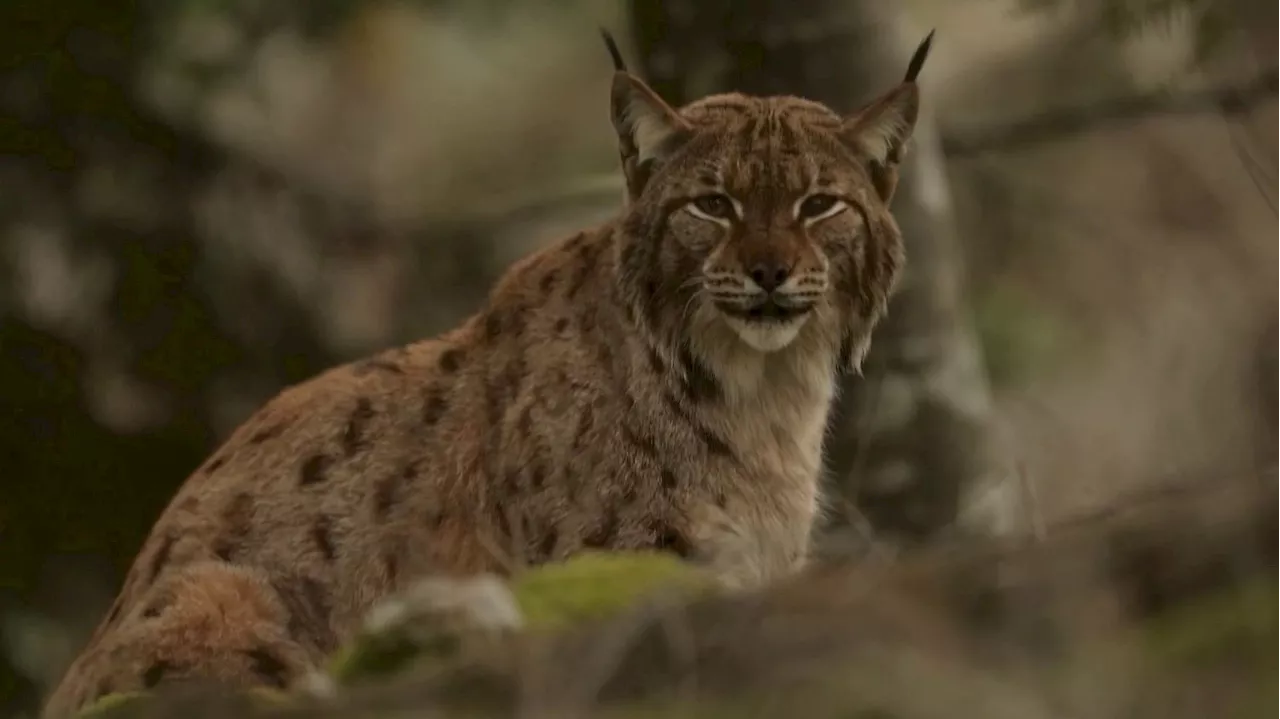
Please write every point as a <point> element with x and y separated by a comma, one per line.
<point>911,454</point>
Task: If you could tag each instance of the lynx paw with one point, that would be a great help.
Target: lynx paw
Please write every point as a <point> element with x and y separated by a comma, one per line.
<point>429,620</point>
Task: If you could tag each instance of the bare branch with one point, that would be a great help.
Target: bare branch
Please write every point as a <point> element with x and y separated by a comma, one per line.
<point>1057,124</point>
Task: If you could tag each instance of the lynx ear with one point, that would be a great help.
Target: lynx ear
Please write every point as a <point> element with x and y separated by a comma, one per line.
<point>647,127</point>
<point>880,131</point>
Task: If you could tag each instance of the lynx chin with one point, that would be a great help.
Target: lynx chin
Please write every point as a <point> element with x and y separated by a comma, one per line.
<point>661,381</point>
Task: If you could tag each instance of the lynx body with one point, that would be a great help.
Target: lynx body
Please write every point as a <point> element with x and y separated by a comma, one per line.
<point>662,381</point>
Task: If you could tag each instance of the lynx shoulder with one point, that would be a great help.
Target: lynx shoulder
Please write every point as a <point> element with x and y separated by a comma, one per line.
<point>661,381</point>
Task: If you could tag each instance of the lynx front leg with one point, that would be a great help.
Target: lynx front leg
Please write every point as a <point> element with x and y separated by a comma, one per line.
<point>430,619</point>
<point>744,555</point>
<point>210,621</point>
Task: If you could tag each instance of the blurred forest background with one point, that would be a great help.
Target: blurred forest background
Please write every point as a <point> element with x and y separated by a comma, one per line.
<point>202,201</point>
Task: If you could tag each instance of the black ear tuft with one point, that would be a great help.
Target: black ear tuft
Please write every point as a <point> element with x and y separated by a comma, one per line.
<point>917,59</point>
<point>609,42</point>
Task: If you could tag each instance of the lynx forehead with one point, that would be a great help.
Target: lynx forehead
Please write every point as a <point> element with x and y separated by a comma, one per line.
<point>658,382</point>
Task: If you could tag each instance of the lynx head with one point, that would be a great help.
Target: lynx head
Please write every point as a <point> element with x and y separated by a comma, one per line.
<point>767,216</point>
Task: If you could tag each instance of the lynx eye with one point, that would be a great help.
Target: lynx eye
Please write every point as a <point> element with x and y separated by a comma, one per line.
<point>713,207</point>
<point>816,207</point>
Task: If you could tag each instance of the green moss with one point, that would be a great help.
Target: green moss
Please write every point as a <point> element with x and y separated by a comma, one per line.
<point>378,655</point>
<point>269,697</point>
<point>589,586</point>
<point>1238,626</point>
<point>595,585</point>
<point>121,704</point>
<point>108,704</point>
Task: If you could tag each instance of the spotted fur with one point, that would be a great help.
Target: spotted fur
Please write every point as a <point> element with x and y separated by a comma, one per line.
<point>662,381</point>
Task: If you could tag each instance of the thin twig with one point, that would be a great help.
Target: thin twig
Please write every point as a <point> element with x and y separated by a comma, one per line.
<point>1258,174</point>
<point>1031,503</point>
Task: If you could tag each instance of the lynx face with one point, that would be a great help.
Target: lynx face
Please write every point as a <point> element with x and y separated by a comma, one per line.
<point>767,216</point>
<point>768,207</point>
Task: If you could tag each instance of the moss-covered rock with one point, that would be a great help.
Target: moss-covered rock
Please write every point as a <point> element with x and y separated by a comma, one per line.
<point>1236,626</point>
<point>596,585</point>
<point>121,705</point>
<point>438,618</point>
<point>1191,635</point>
<point>434,620</point>
<point>110,705</point>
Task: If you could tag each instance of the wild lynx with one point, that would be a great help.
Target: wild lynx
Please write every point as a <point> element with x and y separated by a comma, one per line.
<point>662,381</point>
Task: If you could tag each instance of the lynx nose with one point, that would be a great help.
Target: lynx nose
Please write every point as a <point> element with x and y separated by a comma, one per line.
<point>770,275</point>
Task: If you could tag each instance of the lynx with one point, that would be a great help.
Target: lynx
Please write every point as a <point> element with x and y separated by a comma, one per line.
<point>660,382</point>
